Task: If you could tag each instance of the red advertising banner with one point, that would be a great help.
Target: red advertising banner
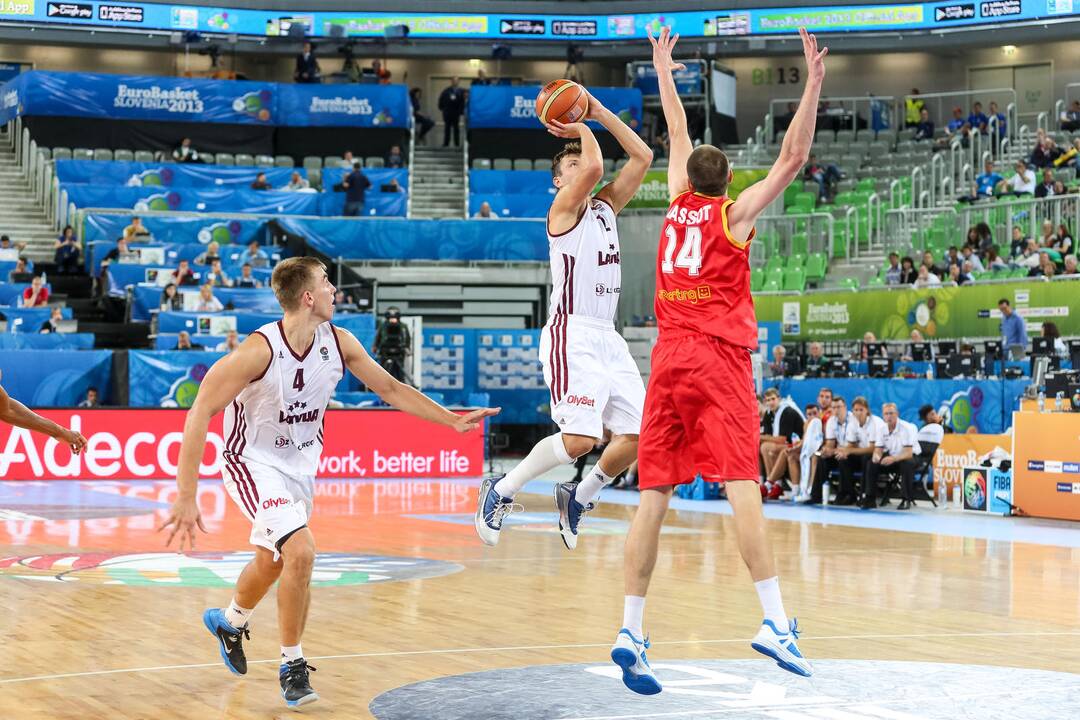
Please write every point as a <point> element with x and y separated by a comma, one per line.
<point>145,444</point>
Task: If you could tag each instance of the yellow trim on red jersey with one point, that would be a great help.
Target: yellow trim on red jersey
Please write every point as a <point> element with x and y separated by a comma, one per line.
<point>727,230</point>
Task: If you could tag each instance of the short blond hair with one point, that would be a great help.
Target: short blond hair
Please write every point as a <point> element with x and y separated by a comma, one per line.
<point>292,277</point>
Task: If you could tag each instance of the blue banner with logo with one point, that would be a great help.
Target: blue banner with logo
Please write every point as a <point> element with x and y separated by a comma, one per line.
<point>55,378</point>
<point>424,239</point>
<point>143,174</point>
<point>351,105</point>
<point>514,106</point>
<point>985,405</point>
<point>172,229</point>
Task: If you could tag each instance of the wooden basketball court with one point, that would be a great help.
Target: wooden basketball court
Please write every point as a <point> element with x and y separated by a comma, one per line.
<point>99,623</point>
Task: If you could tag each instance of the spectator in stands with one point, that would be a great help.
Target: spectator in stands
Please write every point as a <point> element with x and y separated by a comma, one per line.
<point>1048,238</point>
<point>994,261</point>
<point>977,119</point>
<point>212,253</point>
<point>908,273</point>
<point>423,122</point>
<point>52,325</point>
<point>481,78</point>
<point>230,343</point>
<point>185,153</point>
<point>394,158</point>
<point>1070,265</point>
<point>1018,243</point>
<point>307,66</point>
<point>892,273</point>
<point>255,255</point>
<point>661,144</point>
<point>484,211</point>
<point>217,277</point>
<point>1013,330</point>
<point>121,252</point>
<point>1045,153</point>
<point>986,181</point>
<point>170,299</point>
<point>391,187</point>
<point>824,175</point>
<point>1064,242</point>
<point>19,273</point>
<point>1047,268</point>
<point>382,75</point>
<point>297,182</point>
<point>958,276</point>
<point>136,230</point>
<point>931,266</point>
<point>894,450</point>
<point>914,108</point>
<point>355,184</point>
<point>347,160</point>
<point>1001,121</point>
<point>924,129</point>
<point>261,182</point>
<point>183,342</point>
<point>343,302</point>
<point>1050,331</point>
<point>67,253</point>
<point>952,257</point>
<point>778,366</point>
<point>815,359</point>
<point>92,399</point>
<point>970,256</point>
<point>955,128</point>
<point>926,278</point>
<point>1070,119</point>
<point>111,294</point>
<point>37,295</point>
<point>246,279</point>
<point>10,250</point>
<point>207,301</point>
<point>1046,187</point>
<point>183,274</point>
<point>1023,182</point>
<point>452,106</point>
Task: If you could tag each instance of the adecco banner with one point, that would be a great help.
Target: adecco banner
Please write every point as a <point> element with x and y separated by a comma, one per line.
<point>947,312</point>
<point>145,444</point>
<point>1046,464</point>
<point>958,451</point>
<point>653,191</point>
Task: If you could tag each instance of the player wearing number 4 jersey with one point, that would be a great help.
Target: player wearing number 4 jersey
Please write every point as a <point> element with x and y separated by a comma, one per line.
<point>593,379</point>
<point>274,390</point>
<point>701,410</point>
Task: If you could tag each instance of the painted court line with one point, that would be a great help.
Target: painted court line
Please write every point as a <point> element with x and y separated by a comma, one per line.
<point>527,648</point>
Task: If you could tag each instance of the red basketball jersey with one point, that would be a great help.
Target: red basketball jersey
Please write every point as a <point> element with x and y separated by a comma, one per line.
<point>703,273</point>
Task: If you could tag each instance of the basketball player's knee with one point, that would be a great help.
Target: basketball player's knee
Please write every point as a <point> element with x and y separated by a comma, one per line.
<point>298,552</point>
<point>578,445</point>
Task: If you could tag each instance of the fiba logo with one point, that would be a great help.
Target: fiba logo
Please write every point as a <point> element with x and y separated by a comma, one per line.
<point>281,442</point>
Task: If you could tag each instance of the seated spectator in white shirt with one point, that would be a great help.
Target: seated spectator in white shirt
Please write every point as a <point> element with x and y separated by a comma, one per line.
<point>207,301</point>
<point>1030,257</point>
<point>213,251</point>
<point>958,276</point>
<point>255,255</point>
<point>230,343</point>
<point>927,278</point>
<point>969,256</point>
<point>1023,181</point>
<point>217,276</point>
<point>185,153</point>
<point>297,182</point>
<point>485,211</point>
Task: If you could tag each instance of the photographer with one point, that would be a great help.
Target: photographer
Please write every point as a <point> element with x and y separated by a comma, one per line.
<point>393,344</point>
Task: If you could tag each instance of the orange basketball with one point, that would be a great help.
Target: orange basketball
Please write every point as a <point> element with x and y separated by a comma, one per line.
<point>563,101</point>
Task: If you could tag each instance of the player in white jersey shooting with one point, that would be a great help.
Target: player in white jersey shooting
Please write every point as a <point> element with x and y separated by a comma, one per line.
<point>593,379</point>
<point>275,400</point>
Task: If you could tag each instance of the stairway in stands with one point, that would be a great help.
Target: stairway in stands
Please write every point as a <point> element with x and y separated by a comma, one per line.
<point>22,218</point>
<point>438,182</point>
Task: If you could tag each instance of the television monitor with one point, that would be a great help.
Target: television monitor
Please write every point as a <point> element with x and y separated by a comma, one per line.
<point>880,367</point>
<point>941,367</point>
<point>921,352</point>
<point>874,350</point>
<point>838,367</point>
<point>1042,346</point>
<point>946,347</point>
<point>962,365</point>
<point>992,348</point>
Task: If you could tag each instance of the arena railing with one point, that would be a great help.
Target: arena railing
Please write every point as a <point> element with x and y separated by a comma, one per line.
<point>818,239</point>
<point>412,152</point>
<point>856,102</point>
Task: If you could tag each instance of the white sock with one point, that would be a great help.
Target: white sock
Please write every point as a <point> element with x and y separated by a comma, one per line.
<point>769,594</point>
<point>632,615</point>
<point>290,653</point>
<point>237,616</point>
<point>546,455</point>
<point>589,488</point>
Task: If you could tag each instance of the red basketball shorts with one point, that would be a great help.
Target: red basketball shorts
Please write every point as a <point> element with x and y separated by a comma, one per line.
<point>701,413</point>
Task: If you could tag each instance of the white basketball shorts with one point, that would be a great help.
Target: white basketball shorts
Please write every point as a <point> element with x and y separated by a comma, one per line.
<point>593,379</point>
<point>276,503</point>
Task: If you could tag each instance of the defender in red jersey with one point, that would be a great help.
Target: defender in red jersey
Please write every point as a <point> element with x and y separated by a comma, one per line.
<point>700,408</point>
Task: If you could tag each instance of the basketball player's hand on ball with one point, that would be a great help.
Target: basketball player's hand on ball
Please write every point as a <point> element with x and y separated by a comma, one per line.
<point>474,420</point>
<point>72,439</point>
<point>570,130</point>
<point>661,50</point>
<point>183,518</point>
<point>595,107</point>
<point>815,59</point>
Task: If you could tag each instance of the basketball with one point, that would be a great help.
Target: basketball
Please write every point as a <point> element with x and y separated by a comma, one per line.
<point>563,101</point>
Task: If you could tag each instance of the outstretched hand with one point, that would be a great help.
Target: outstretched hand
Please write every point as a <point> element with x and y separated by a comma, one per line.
<point>472,421</point>
<point>661,50</point>
<point>567,131</point>
<point>815,59</point>
<point>184,517</point>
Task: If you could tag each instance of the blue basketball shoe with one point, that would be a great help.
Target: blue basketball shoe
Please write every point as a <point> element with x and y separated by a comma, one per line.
<point>629,653</point>
<point>230,640</point>
<point>781,647</point>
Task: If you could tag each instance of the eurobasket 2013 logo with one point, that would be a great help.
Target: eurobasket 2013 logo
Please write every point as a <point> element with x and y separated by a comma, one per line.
<point>151,177</point>
<point>254,104</point>
<point>211,569</point>
<point>159,201</point>
<point>223,233</point>
<point>182,392</point>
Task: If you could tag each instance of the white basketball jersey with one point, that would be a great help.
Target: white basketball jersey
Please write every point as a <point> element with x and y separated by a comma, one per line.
<point>586,277</point>
<point>278,418</point>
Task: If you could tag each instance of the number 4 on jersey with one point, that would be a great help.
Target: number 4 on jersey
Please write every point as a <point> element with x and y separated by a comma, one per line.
<point>298,380</point>
<point>689,254</point>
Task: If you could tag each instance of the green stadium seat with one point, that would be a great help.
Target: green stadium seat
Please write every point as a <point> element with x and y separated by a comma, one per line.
<point>789,194</point>
<point>797,210</point>
<point>124,155</point>
<point>840,235</point>
<point>771,286</point>
<point>816,266</point>
<point>775,262</point>
<point>795,279</point>
<point>774,275</point>
<point>799,243</point>
<point>313,162</point>
<point>850,283</point>
<point>757,279</point>
<point>807,199</point>
<point>144,156</point>
<point>796,260</point>
<point>875,282</point>
<point>866,185</point>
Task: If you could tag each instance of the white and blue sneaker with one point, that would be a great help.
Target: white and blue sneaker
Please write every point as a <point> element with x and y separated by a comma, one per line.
<point>781,647</point>
<point>570,512</point>
<point>491,509</point>
<point>629,653</point>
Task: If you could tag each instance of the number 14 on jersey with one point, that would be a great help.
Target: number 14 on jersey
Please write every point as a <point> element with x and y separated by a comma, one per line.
<point>689,256</point>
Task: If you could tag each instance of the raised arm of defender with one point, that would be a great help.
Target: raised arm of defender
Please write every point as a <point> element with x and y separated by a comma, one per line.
<point>794,152</point>
<point>680,146</point>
